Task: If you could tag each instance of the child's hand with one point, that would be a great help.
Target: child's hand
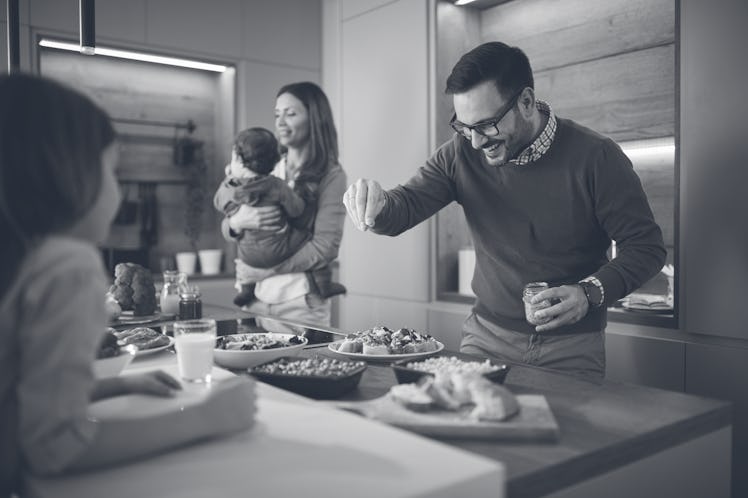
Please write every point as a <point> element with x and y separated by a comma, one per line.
<point>157,383</point>
<point>227,169</point>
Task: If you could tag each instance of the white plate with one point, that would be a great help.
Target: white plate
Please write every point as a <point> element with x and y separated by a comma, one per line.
<point>384,357</point>
<point>654,308</point>
<point>143,352</point>
<point>242,359</point>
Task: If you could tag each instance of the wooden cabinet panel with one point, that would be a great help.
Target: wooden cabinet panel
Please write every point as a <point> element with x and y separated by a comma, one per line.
<point>626,97</point>
<point>649,362</point>
<point>363,312</point>
<point>59,15</point>
<point>569,26</point>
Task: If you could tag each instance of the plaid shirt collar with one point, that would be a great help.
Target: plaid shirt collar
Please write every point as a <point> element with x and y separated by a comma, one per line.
<point>540,146</point>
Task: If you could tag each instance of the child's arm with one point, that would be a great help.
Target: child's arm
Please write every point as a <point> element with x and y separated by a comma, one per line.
<point>229,407</point>
<point>223,200</point>
<point>291,202</point>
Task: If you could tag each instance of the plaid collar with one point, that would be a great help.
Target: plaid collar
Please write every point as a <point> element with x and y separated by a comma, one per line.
<point>540,146</point>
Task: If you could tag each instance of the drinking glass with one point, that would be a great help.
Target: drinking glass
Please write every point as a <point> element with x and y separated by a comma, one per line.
<point>194,342</point>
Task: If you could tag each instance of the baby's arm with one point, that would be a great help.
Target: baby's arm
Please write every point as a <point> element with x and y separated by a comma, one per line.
<point>223,200</point>
<point>291,202</point>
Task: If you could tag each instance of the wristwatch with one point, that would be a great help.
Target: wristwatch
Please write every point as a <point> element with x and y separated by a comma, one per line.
<point>593,293</point>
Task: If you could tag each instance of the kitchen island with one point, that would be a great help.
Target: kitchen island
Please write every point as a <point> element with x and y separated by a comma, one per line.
<point>615,439</point>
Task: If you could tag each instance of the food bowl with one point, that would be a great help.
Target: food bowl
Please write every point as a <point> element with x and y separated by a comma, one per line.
<point>406,375</point>
<point>318,377</point>
<point>246,358</point>
<point>113,366</point>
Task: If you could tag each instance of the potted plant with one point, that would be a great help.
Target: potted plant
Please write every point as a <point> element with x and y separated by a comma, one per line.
<point>195,199</point>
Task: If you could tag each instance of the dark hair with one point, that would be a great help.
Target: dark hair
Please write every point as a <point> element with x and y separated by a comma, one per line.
<point>508,67</point>
<point>258,149</point>
<point>323,150</point>
<point>51,141</point>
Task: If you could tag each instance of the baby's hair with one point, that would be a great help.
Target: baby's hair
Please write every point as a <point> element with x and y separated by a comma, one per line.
<point>257,149</point>
<point>51,142</point>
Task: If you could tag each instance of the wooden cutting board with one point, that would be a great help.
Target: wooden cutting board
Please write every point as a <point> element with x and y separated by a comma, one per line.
<point>534,422</point>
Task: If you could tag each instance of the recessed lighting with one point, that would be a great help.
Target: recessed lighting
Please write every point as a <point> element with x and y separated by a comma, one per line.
<point>138,56</point>
<point>464,2</point>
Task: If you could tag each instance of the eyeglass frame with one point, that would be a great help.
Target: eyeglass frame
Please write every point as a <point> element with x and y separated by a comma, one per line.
<point>486,123</point>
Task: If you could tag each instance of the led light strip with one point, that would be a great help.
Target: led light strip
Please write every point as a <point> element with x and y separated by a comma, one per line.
<point>649,148</point>
<point>138,56</point>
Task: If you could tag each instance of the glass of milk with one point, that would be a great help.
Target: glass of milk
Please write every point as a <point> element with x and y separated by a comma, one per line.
<point>194,342</point>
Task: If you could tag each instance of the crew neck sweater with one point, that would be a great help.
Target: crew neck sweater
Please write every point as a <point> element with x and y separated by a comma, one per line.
<point>550,220</point>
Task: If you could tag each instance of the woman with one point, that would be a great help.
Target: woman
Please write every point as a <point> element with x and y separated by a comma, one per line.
<point>58,196</point>
<point>306,132</point>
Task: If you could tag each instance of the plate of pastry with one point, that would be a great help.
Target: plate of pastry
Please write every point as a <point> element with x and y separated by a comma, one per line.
<point>147,340</point>
<point>384,344</point>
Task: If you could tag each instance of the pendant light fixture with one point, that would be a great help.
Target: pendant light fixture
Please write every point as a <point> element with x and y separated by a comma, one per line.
<point>13,41</point>
<point>87,14</point>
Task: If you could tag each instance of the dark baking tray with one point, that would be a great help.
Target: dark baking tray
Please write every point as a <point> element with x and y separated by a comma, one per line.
<point>313,386</point>
<point>407,375</point>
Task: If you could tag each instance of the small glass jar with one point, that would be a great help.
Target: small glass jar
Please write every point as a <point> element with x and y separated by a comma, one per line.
<point>174,283</point>
<point>530,309</point>
<point>190,305</point>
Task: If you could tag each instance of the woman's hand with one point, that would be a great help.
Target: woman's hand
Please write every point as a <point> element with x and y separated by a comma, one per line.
<point>249,275</point>
<point>268,218</point>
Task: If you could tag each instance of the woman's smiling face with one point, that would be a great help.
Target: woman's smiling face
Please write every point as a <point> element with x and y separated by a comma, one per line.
<point>291,121</point>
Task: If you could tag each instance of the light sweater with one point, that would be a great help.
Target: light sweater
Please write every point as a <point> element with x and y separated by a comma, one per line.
<point>53,318</point>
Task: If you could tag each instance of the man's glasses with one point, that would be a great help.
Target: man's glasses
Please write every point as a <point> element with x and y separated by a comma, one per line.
<point>488,127</point>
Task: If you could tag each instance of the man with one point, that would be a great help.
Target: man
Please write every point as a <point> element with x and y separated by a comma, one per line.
<point>543,197</point>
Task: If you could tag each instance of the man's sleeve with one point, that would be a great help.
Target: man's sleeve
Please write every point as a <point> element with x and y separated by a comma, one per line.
<point>429,190</point>
<point>623,210</point>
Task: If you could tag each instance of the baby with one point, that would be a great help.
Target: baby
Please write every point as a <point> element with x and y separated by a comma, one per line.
<point>248,181</point>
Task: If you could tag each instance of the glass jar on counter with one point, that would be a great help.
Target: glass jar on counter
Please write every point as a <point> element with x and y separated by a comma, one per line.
<point>530,290</point>
<point>174,283</point>
<point>190,304</point>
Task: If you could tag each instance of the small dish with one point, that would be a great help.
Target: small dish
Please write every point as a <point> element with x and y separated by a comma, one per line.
<point>407,375</point>
<point>318,385</point>
<point>242,359</point>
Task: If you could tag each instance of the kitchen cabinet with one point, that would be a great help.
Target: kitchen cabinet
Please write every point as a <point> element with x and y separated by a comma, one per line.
<point>384,136</point>
<point>645,361</point>
<point>721,372</point>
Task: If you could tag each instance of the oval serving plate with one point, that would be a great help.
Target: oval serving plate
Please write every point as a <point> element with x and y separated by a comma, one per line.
<point>384,357</point>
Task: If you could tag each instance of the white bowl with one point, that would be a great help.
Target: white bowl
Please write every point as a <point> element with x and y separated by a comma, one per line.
<point>113,366</point>
<point>240,359</point>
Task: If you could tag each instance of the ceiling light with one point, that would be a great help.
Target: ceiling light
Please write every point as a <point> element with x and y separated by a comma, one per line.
<point>464,2</point>
<point>138,56</point>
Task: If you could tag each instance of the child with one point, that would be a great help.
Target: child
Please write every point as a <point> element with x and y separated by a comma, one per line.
<point>248,181</point>
<point>58,196</point>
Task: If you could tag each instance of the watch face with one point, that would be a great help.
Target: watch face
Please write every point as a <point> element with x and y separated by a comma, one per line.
<point>592,292</point>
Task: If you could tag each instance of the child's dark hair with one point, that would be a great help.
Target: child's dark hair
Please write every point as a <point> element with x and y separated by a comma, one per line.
<point>51,141</point>
<point>257,148</point>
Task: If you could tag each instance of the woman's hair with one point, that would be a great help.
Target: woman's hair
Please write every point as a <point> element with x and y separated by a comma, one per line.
<point>51,142</point>
<point>508,67</point>
<point>258,149</point>
<point>323,138</point>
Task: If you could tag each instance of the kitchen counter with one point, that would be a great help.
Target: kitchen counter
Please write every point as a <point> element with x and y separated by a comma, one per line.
<point>615,439</point>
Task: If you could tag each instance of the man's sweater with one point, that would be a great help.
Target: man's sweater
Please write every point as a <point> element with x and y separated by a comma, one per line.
<point>551,220</point>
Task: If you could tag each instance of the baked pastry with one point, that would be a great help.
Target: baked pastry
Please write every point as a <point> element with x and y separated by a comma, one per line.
<point>412,397</point>
<point>492,401</point>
